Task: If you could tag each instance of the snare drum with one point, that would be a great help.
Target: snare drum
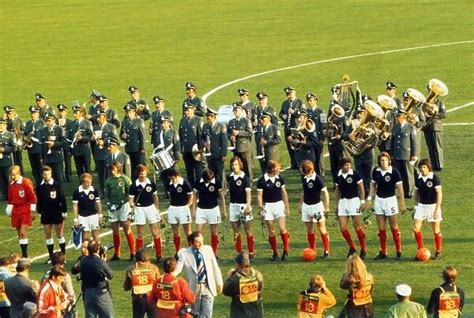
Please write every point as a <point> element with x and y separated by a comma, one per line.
<point>162,160</point>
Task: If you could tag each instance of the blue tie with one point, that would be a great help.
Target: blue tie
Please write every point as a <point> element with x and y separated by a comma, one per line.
<point>201,269</point>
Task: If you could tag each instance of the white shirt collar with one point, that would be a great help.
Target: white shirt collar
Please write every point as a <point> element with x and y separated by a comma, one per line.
<point>345,174</point>
<point>137,182</point>
<point>241,175</point>
<point>19,181</point>
<point>213,180</point>
<point>389,170</point>
<point>266,177</point>
<point>311,177</point>
<point>81,189</point>
<point>179,182</point>
<point>50,182</point>
<point>428,176</point>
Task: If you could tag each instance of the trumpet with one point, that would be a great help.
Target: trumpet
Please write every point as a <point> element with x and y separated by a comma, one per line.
<point>50,141</point>
<point>74,140</point>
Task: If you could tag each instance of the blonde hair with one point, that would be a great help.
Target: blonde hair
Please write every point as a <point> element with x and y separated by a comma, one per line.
<point>356,272</point>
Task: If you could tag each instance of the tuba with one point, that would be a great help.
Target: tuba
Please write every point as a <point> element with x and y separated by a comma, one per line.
<point>298,137</point>
<point>332,127</point>
<point>383,124</point>
<point>415,98</point>
<point>436,88</point>
<point>364,136</point>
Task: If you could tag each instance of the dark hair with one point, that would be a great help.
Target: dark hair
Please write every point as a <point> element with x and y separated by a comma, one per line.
<point>142,255</point>
<point>345,160</point>
<point>272,165</point>
<point>58,258</point>
<point>169,264</point>
<point>386,155</point>
<point>56,271</point>
<point>449,274</point>
<point>172,172</point>
<point>93,247</point>
<point>207,175</point>
<point>234,159</point>
<point>193,235</point>
<point>4,261</point>
<point>46,168</point>
<point>117,165</point>
<point>425,162</point>
<point>141,168</point>
<point>306,166</point>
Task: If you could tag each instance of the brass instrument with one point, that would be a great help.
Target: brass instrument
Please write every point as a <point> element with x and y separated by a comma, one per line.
<point>332,128</point>
<point>50,141</point>
<point>232,146</point>
<point>363,136</point>
<point>207,145</point>
<point>98,139</point>
<point>415,98</point>
<point>298,136</point>
<point>196,153</point>
<point>344,97</point>
<point>436,88</point>
<point>383,124</point>
<point>74,140</point>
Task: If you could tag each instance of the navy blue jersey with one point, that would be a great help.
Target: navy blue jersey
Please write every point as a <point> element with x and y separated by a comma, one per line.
<point>208,193</point>
<point>312,187</point>
<point>179,192</point>
<point>142,192</point>
<point>271,188</point>
<point>86,200</point>
<point>237,187</point>
<point>386,181</point>
<point>51,199</point>
<point>427,187</point>
<point>348,184</point>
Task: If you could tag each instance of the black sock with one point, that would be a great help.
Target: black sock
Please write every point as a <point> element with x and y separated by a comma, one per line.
<point>24,250</point>
<point>50,248</point>
<point>62,246</point>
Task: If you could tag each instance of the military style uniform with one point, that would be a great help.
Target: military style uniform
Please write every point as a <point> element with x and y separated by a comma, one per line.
<point>190,131</point>
<point>33,131</point>
<point>155,125</point>
<point>306,151</point>
<point>290,122</point>
<point>143,110</point>
<point>271,135</point>
<point>434,136</point>
<point>120,157</point>
<point>65,124</point>
<point>243,142</point>
<point>198,103</point>
<point>53,157</point>
<point>169,139</point>
<point>215,136</point>
<point>15,126</point>
<point>336,149</point>
<point>403,145</point>
<point>317,115</point>
<point>258,112</point>
<point>81,149</point>
<point>7,148</point>
<point>105,131</point>
<point>135,140</point>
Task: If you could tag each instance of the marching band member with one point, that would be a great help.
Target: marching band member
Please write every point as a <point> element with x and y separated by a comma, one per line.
<point>304,139</point>
<point>428,198</point>
<point>262,107</point>
<point>385,181</point>
<point>288,112</point>
<point>168,141</point>
<point>141,106</point>
<point>190,134</point>
<point>420,118</point>
<point>180,192</point>
<point>116,199</point>
<point>94,105</point>
<point>143,197</point>
<point>53,140</point>
<point>110,113</point>
<point>65,123</point>
<point>272,200</point>
<point>313,209</point>
<point>350,201</point>
<point>214,140</point>
<point>21,206</point>
<point>240,206</point>
<point>267,139</point>
<point>391,89</point>
<point>44,108</point>
<point>116,154</point>
<point>337,124</point>
<point>80,133</point>
<point>7,147</point>
<point>16,127</point>
<point>317,115</point>
<point>247,105</point>
<point>155,124</point>
<point>209,205</point>
<point>132,132</point>
<point>240,135</point>
<point>32,137</point>
<point>192,98</point>
<point>87,208</point>
<point>102,132</point>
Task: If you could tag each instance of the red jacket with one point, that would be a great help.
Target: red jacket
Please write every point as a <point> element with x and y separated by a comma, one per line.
<point>49,296</point>
<point>22,195</point>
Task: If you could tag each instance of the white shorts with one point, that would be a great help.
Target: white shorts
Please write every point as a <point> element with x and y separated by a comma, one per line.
<point>147,215</point>
<point>211,216</point>
<point>236,213</point>
<point>349,207</point>
<point>425,212</point>
<point>312,213</point>
<point>386,206</point>
<point>120,214</point>
<point>89,223</point>
<point>179,214</point>
<point>274,210</point>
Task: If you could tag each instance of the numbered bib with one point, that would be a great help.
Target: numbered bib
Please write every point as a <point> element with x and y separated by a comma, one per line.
<point>248,287</point>
<point>361,296</point>
<point>142,281</point>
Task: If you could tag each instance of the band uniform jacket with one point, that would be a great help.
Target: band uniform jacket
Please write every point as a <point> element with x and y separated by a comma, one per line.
<point>244,138</point>
<point>248,106</point>
<point>15,125</point>
<point>317,115</point>
<point>290,121</point>
<point>306,151</point>
<point>199,106</point>
<point>155,125</point>
<point>216,135</point>
<point>7,144</point>
<point>135,134</point>
<point>403,143</point>
<point>258,111</point>
<point>108,131</point>
<point>110,114</point>
<point>33,129</point>
<point>170,137</point>
<point>340,125</point>
<point>272,135</point>
<point>92,112</point>
<point>55,134</point>
<point>142,108</point>
<point>434,123</point>
<point>123,159</point>
<point>81,147</point>
<point>189,132</point>
<point>46,109</point>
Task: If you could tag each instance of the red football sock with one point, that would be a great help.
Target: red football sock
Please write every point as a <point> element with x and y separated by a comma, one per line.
<point>157,242</point>
<point>361,237</point>
<point>438,238</point>
<point>139,243</point>
<point>131,242</point>
<point>348,237</point>
<point>325,240</point>
<point>273,243</point>
<point>397,238</point>
<point>383,241</point>
<point>250,244</point>
<point>117,241</point>
<point>177,242</point>
<point>418,238</point>
<point>311,237</point>
<point>286,241</point>
<point>238,243</point>
<point>214,243</point>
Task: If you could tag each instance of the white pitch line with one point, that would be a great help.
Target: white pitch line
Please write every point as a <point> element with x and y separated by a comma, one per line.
<point>218,88</point>
<point>460,107</point>
<point>458,124</point>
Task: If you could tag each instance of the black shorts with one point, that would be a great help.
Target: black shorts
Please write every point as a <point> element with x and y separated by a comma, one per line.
<point>48,218</point>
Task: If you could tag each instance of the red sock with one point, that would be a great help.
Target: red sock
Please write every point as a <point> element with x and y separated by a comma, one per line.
<point>286,241</point>
<point>383,241</point>
<point>397,238</point>
<point>139,243</point>
<point>438,238</point>
<point>214,243</point>
<point>325,240</point>
<point>361,237</point>
<point>177,243</point>
<point>311,240</point>
<point>131,242</point>
<point>117,241</point>
<point>418,238</point>
<point>348,237</point>
<point>157,242</point>
<point>238,243</point>
<point>250,244</point>
<point>273,243</point>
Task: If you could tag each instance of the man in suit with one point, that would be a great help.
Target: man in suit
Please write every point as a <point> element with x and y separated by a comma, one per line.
<point>202,273</point>
<point>116,154</point>
<point>267,139</point>
<point>403,145</point>
<point>80,133</point>
<point>155,124</point>
<point>190,130</point>
<point>192,98</point>
<point>20,288</point>
<point>133,133</point>
<point>53,140</point>
<point>33,133</point>
<point>240,134</point>
<point>214,141</point>
<point>103,131</point>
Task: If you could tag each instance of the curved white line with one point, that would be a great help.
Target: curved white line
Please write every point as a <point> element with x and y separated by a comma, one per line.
<point>218,88</point>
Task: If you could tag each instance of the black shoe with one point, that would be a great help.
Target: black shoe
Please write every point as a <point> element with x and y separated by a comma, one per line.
<point>132,257</point>
<point>48,261</point>
<point>284,257</point>
<point>399,256</point>
<point>176,256</point>
<point>363,254</point>
<point>437,256</point>
<point>114,258</point>
<point>380,256</point>
<point>351,252</point>
<point>326,255</point>
<point>252,258</point>
<point>274,258</point>
<point>158,260</point>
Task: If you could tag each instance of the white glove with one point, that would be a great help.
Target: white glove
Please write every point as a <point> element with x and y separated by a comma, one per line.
<point>9,209</point>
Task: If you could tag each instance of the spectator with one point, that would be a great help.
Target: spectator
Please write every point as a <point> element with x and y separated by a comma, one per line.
<point>405,308</point>
<point>4,274</point>
<point>313,302</point>
<point>20,288</point>
<point>447,300</point>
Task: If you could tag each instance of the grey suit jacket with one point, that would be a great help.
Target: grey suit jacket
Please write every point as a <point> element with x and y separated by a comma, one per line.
<point>403,142</point>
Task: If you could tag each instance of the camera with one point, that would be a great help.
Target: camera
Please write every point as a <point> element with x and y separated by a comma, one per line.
<point>185,310</point>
